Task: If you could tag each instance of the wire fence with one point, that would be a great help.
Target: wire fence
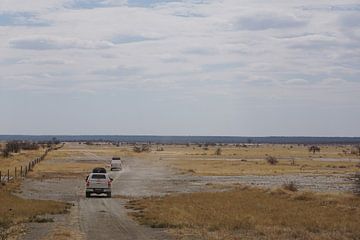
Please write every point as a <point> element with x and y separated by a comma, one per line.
<point>22,171</point>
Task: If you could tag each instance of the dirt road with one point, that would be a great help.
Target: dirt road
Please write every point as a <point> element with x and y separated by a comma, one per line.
<point>97,217</point>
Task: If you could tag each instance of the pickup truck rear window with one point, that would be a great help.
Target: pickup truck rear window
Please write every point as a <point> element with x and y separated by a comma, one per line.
<point>98,176</point>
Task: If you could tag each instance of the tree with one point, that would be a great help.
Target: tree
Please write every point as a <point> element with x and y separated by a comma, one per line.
<point>5,153</point>
<point>271,160</point>
<point>355,150</point>
<point>314,149</point>
<point>218,151</point>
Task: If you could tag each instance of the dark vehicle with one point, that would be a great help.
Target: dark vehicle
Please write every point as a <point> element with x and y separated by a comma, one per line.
<point>116,158</point>
<point>99,170</point>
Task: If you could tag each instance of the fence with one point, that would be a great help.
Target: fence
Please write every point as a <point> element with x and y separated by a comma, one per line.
<point>22,171</point>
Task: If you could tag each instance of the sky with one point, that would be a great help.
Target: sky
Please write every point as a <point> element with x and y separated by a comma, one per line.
<point>185,67</point>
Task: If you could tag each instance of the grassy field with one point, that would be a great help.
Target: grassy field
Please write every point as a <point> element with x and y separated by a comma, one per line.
<point>250,160</point>
<point>15,210</point>
<point>76,159</point>
<point>19,159</point>
<point>249,213</point>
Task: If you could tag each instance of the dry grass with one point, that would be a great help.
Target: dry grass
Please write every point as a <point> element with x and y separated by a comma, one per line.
<point>74,160</point>
<point>261,167</point>
<point>75,150</point>
<point>51,169</point>
<point>251,160</point>
<point>19,159</point>
<point>14,210</point>
<point>259,151</point>
<point>246,213</point>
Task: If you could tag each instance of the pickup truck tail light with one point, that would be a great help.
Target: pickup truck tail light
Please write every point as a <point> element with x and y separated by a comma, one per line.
<point>87,183</point>
<point>109,183</point>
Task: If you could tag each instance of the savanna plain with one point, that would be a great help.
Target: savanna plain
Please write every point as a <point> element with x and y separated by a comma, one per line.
<point>192,191</point>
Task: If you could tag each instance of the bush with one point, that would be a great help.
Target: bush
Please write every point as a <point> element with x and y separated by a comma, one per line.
<point>271,160</point>
<point>357,183</point>
<point>218,151</point>
<point>160,149</point>
<point>142,148</point>
<point>314,149</point>
<point>5,153</point>
<point>355,150</point>
<point>291,186</point>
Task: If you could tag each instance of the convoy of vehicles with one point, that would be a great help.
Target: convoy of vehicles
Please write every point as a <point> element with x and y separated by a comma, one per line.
<point>99,181</point>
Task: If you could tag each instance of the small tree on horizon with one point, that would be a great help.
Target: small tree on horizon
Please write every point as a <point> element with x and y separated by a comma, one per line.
<point>314,149</point>
<point>271,160</point>
<point>218,151</point>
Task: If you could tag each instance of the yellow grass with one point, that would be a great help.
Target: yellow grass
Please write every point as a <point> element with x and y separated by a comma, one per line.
<point>75,150</point>
<point>258,151</point>
<point>250,160</point>
<point>76,159</point>
<point>261,167</point>
<point>14,210</point>
<point>63,170</point>
<point>248,213</point>
<point>19,159</point>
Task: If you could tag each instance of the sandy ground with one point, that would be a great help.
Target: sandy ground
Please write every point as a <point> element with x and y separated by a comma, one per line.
<point>104,218</point>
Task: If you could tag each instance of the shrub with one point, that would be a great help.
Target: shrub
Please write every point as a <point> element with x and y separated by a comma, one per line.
<point>142,148</point>
<point>355,150</point>
<point>314,149</point>
<point>6,153</point>
<point>291,186</point>
<point>357,183</point>
<point>271,160</point>
<point>159,149</point>
<point>218,151</point>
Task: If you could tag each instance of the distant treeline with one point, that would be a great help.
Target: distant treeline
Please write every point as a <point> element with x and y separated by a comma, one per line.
<point>182,139</point>
<point>15,146</point>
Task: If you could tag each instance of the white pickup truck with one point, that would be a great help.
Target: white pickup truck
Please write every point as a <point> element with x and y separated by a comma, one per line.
<point>98,183</point>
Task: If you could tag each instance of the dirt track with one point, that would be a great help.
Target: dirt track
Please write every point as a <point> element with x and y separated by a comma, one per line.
<point>104,218</point>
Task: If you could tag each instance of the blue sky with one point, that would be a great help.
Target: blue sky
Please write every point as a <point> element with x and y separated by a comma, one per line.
<point>194,67</point>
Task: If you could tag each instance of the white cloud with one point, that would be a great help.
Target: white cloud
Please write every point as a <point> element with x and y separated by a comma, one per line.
<point>52,42</point>
<point>263,20</point>
<point>229,44</point>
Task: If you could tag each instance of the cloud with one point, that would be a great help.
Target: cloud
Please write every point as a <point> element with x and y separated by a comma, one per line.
<point>149,3</point>
<point>268,20</point>
<point>91,4</point>
<point>200,51</point>
<point>118,71</point>
<point>21,19</point>
<point>297,82</point>
<point>351,20</point>
<point>332,8</point>
<point>121,39</point>
<point>44,61</point>
<point>52,42</point>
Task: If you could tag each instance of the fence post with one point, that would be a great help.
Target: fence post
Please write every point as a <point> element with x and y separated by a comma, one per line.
<point>15,173</point>
<point>21,173</point>
<point>8,175</point>
<point>0,177</point>
<point>25,171</point>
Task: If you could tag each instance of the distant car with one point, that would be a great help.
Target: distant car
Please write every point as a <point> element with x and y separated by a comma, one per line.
<point>98,183</point>
<point>116,164</point>
<point>99,170</point>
